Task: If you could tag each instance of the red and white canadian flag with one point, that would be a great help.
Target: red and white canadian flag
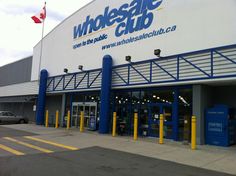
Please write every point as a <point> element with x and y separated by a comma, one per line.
<point>40,17</point>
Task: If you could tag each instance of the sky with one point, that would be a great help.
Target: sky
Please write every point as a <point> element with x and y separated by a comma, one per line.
<point>19,34</point>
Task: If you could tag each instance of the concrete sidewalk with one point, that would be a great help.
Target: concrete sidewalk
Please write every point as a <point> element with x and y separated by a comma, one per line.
<point>208,157</point>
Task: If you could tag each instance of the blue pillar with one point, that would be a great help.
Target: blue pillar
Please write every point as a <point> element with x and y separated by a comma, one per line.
<point>176,115</point>
<point>105,95</point>
<point>41,97</point>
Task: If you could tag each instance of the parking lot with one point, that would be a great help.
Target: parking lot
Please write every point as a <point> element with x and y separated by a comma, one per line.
<point>19,143</point>
<point>47,157</point>
<point>95,161</point>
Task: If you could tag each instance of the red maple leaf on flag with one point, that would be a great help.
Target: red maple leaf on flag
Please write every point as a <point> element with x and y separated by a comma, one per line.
<point>40,17</point>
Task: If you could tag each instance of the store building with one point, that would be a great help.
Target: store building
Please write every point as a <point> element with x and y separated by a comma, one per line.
<point>144,56</point>
<point>18,93</point>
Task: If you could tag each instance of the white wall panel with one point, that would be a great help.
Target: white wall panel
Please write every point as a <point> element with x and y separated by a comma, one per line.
<point>201,24</point>
<point>28,88</point>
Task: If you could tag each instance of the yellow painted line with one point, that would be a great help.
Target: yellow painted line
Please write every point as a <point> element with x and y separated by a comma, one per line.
<point>28,145</point>
<point>51,143</point>
<point>10,150</point>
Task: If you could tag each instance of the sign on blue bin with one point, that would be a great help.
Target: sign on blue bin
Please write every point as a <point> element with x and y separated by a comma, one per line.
<point>220,126</point>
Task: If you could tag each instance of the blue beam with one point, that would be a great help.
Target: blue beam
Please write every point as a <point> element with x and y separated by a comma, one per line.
<point>128,82</point>
<point>54,88</point>
<point>212,64</point>
<point>227,58</point>
<point>69,81</point>
<point>81,81</point>
<point>120,77</point>
<point>164,70</point>
<point>139,73</point>
<point>195,66</point>
<point>88,78</point>
<point>150,72</point>
<point>49,83</point>
<point>95,79</point>
<point>178,68</point>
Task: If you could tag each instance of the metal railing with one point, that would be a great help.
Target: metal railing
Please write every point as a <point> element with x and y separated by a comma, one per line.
<point>200,65</point>
<point>75,81</point>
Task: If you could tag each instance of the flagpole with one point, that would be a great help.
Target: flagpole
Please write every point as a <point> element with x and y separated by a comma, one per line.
<point>41,48</point>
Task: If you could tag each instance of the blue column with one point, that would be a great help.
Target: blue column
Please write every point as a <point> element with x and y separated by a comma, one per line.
<point>176,115</point>
<point>105,95</point>
<point>41,97</point>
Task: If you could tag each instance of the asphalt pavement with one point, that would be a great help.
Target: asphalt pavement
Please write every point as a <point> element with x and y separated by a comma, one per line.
<point>8,132</point>
<point>95,161</point>
<point>27,150</point>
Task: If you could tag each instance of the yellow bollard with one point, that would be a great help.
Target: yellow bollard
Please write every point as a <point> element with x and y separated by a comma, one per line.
<point>161,129</point>
<point>57,119</point>
<point>81,127</point>
<point>46,119</point>
<point>194,133</point>
<point>114,125</point>
<point>68,121</point>
<point>135,126</point>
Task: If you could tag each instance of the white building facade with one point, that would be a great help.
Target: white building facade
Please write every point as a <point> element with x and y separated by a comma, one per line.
<point>150,57</point>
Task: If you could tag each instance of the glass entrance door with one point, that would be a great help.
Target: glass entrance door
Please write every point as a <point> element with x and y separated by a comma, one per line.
<point>123,119</point>
<point>155,109</point>
<point>154,115</point>
<point>76,109</point>
<point>90,114</point>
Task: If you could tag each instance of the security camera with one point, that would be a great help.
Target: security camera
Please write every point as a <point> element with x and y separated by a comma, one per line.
<point>80,67</point>
<point>128,58</point>
<point>157,52</point>
<point>65,70</point>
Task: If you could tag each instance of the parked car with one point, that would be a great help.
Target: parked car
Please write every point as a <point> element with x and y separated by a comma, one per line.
<point>9,117</point>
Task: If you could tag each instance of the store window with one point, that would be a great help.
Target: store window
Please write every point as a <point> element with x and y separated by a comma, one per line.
<point>184,114</point>
<point>161,96</point>
<point>149,104</point>
<point>121,106</point>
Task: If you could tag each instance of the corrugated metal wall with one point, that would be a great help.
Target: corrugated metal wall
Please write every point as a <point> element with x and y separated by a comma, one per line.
<point>17,72</point>
<point>24,109</point>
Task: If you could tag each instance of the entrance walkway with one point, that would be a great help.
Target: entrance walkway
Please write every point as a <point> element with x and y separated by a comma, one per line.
<point>208,157</point>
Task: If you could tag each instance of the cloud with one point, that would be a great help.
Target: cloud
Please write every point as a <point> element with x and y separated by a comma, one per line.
<point>10,55</point>
<point>55,16</point>
<point>19,34</point>
<point>17,9</point>
<point>30,10</point>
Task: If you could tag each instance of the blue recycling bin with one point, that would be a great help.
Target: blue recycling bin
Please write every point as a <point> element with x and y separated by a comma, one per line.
<point>220,126</point>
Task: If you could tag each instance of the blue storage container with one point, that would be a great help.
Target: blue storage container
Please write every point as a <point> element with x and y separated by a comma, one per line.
<point>92,123</point>
<point>220,126</point>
